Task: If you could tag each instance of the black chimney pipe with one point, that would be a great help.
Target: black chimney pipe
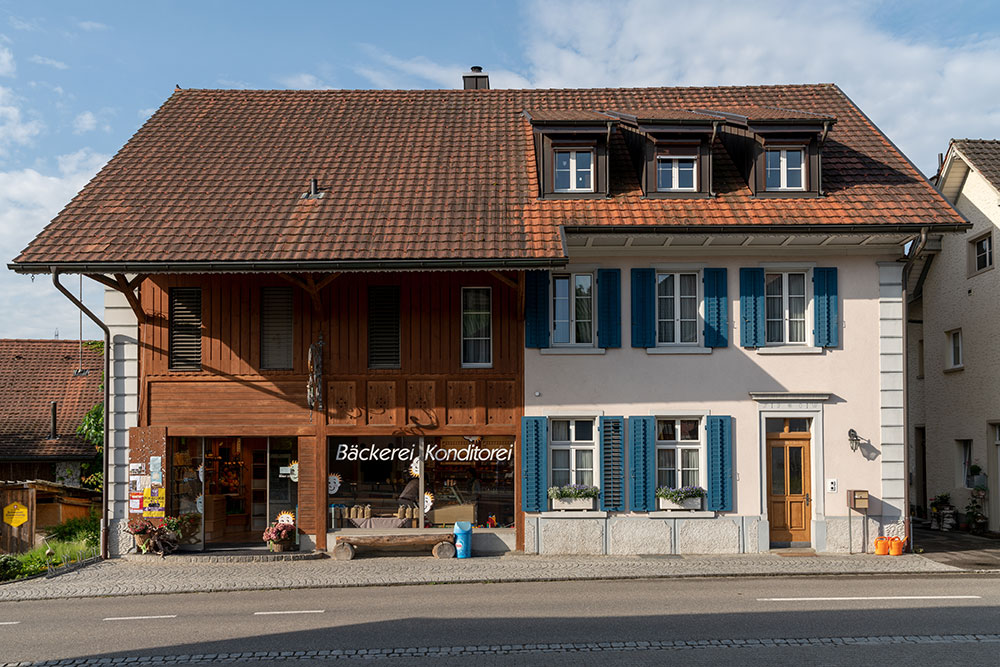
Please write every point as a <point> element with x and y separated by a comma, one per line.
<point>52,426</point>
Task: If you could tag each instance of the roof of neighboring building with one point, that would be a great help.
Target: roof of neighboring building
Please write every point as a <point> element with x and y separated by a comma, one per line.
<point>430,175</point>
<point>33,373</point>
<point>984,154</point>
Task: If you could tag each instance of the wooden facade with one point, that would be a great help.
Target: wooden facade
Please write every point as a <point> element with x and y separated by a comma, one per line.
<point>429,394</point>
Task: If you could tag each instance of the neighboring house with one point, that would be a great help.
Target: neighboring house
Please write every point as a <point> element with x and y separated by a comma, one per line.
<point>620,287</point>
<point>40,379</point>
<point>955,357</point>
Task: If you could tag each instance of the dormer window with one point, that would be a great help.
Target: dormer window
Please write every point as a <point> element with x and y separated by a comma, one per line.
<point>676,174</point>
<point>785,169</point>
<point>574,170</point>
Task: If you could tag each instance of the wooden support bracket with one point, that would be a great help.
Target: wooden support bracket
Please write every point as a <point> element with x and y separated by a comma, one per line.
<point>126,287</point>
<point>311,286</point>
<point>504,279</point>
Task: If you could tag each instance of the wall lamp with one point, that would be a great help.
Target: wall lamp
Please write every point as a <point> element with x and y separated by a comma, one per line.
<point>854,439</point>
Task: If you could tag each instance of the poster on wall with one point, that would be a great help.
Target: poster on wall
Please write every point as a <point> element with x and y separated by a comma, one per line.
<point>156,470</point>
<point>154,503</point>
<point>135,502</point>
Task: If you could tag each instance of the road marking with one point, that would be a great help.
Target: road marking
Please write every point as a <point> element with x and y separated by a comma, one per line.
<point>875,597</point>
<point>138,618</point>
<point>9,622</point>
<point>302,611</point>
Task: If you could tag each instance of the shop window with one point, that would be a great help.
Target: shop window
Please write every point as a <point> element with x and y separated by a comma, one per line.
<point>573,452</point>
<point>679,452</point>
<point>185,329</point>
<point>477,327</point>
<point>383,326</point>
<point>276,328</point>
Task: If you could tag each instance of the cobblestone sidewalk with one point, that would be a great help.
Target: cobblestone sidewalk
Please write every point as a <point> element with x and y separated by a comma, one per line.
<point>175,574</point>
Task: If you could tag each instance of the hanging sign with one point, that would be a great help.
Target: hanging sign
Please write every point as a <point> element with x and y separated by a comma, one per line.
<point>15,514</point>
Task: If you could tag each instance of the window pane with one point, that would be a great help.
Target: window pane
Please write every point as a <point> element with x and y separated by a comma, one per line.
<point>689,332</point>
<point>583,180</point>
<point>795,470</point>
<point>561,332</point>
<point>689,459</point>
<point>477,351</point>
<point>561,309</point>
<point>689,285</point>
<point>797,331</point>
<point>560,477</point>
<point>562,177</point>
<point>796,284</point>
<point>773,286</point>
<point>665,459</point>
<point>584,430</point>
<point>584,332</point>
<point>583,160</point>
<point>583,170</point>
<point>777,471</point>
<point>560,458</point>
<point>685,174</point>
<point>666,429</point>
<point>664,174</point>
<point>798,425</point>
<point>476,299</point>
<point>667,478</point>
<point>665,284</point>
<point>793,159</point>
<point>584,308</point>
<point>585,477</point>
<point>775,333</point>
<point>774,425</point>
<point>560,430</point>
<point>666,308</point>
<point>665,332</point>
<point>584,459</point>
<point>689,429</point>
<point>773,170</point>
<point>689,478</point>
<point>476,326</point>
<point>562,287</point>
<point>689,308</point>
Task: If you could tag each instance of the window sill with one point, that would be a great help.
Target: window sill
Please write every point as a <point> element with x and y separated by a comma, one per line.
<point>571,350</point>
<point>679,350</point>
<point>791,350</point>
<point>954,369</point>
<point>565,514</point>
<point>682,514</point>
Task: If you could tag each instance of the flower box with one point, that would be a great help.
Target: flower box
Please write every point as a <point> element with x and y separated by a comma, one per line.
<point>577,504</point>
<point>686,504</point>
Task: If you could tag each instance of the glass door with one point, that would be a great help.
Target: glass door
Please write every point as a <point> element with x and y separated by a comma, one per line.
<point>282,478</point>
<point>186,499</point>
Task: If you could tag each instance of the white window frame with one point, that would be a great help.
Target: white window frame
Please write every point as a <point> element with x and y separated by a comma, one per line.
<point>964,447</point>
<point>468,364</point>
<point>572,168</point>
<point>699,308</point>
<point>572,275</point>
<point>675,170</point>
<point>949,353</point>
<point>572,446</point>
<point>783,169</point>
<point>786,321</point>
<point>974,253</point>
<point>679,445</point>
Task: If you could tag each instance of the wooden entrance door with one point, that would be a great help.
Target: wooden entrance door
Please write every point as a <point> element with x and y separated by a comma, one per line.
<point>789,503</point>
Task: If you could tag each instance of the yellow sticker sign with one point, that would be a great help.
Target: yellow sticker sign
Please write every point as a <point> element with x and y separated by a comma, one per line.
<point>153,503</point>
<point>15,514</point>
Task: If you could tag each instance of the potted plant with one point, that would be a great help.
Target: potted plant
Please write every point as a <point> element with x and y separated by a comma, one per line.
<point>976,476</point>
<point>574,497</point>
<point>141,531</point>
<point>684,498</point>
<point>975,518</point>
<point>280,536</point>
<point>184,526</point>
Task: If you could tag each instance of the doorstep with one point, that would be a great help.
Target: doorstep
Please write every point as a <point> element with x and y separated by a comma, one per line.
<point>227,556</point>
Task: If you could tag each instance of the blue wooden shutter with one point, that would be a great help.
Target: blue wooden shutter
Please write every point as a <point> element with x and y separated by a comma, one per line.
<point>613,464</point>
<point>716,308</point>
<point>827,331</point>
<point>643,308</point>
<point>642,463</point>
<point>534,463</point>
<point>720,463</point>
<point>752,307</point>
<point>609,308</point>
<point>536,309</point>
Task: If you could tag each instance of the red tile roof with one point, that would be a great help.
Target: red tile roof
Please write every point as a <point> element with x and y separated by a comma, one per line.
<point>984,154</point>
<point>33,373</point>
<point>431,175</point>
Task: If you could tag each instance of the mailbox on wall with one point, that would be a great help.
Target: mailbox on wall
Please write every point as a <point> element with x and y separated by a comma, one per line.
<point>857,499</point>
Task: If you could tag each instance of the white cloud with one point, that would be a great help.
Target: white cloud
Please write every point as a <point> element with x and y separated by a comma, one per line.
<point>29,199</point>
<point>303,81</point>
<point>42,60</point>
<point>146,113</point>
<point>92,26</point>
<point>14,129</point>
<point>7,67</point>
<point>21,24</point>
<point>391,72</point>
<point>84,122</point>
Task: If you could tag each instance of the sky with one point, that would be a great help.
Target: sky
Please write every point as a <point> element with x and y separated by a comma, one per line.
<point>78,79</point>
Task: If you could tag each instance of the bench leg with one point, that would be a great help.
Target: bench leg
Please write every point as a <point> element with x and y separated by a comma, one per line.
<point>443,550</point>
<point>343,551</point>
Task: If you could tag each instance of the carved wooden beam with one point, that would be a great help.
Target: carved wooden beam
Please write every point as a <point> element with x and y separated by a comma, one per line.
<point>104,280</point>
<point>504,279</point>
<point>129,292</point>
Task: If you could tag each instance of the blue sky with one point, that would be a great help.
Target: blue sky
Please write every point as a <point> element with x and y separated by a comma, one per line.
<point>78,79</point>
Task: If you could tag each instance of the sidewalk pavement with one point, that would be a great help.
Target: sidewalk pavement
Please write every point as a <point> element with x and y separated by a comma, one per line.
<point>183,574</point>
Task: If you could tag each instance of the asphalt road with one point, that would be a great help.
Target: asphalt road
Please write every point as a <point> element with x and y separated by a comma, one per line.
<point>446,623</point>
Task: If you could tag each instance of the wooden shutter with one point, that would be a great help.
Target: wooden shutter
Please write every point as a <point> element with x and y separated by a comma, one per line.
<point>613,464</point>
<point>276,330</point>
<point>643,308</point>
<point>534,463</point>
<point>609,308</point>
<point>716,308</point>
<point>383,326</point>
<point>719,430</point>
<point>536,309</point>
<point>752,307</point>
<point>185,328</point>
<point>827,328</point>
<point>642,463</point>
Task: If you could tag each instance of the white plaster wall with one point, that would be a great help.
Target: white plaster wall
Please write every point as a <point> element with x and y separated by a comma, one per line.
<point>628,381</point>
<point>961,405</point>
<point>124,411</point>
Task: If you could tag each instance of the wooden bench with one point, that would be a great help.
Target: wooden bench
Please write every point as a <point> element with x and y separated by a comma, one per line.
<point>442,544</point>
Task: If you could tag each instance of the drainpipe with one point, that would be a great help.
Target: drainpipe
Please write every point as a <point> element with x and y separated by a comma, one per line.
<point>711,161</point>
<point>107,404</point>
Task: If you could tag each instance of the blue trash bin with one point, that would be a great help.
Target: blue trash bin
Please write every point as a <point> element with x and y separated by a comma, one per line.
<point>463,539</point>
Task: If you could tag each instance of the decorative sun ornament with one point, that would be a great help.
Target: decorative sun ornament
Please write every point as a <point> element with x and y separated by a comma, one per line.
<point>428,501</point>
<point>286,517</point>
<point>333,483</point>
<point>293,473</point>
<point>415,467</point>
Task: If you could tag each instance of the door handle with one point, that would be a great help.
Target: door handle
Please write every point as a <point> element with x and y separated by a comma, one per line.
<point>808,500</point>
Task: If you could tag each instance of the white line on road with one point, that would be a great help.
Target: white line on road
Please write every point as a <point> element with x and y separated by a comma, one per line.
<point>875,597</point>
<point>9,622</point>
<point>303,611</point>
<point>137,618</point>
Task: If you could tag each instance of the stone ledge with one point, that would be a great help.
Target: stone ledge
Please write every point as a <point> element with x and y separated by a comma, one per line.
<point>569,514</point>
<point>682,514</point>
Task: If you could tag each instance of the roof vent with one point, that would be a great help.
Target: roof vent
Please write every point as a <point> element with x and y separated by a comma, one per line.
<point>314,192</point>
<point>476,79</point>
